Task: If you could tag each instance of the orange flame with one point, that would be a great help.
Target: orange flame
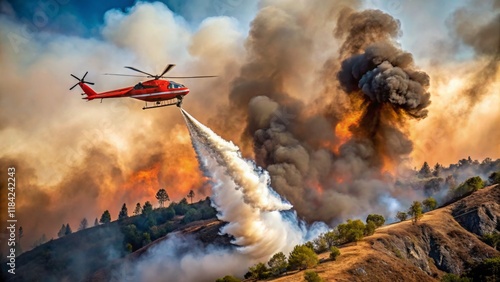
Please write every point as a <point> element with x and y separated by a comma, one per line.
<point>343,129</point>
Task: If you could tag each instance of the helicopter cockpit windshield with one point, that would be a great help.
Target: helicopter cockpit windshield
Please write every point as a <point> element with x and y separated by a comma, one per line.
<point>174,85</point>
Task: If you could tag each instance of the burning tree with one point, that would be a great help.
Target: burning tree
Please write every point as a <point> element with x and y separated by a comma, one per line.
<point>162,196</point>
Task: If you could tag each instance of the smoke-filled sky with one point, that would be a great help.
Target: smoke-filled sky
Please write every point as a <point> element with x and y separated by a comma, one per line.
<point>333,98</point>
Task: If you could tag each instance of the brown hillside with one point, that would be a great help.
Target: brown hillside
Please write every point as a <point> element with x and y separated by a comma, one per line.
<point>444,240</point>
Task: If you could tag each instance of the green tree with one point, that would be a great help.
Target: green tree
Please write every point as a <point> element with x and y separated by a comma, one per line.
<point>320,244</point>
<point>83,224</point>
<point>312,276</point>
<point>470,185</point>
<point>430,204</point>
<point>415,211</point>
<point>228,278</point>
<point>191,195</point>
<point>182,207</point>
<point>259,271</point>
<point>330,238</point>
<point>425,171</point>
<point>302,257</point>
<point>376,218</point>
<point>162,196</point>
<point>147,209</point>
<point>369,228</point>
<point>105,217</point>
<point>191,215</point>
<point>278,264</point>
<point>402,216</point>
<point>334,253</point>
<point>123,212</point>
<point>352,231</point>
<point>494,178</point>
<point>137,209</point>
<point>61,231</point>
<point>68,230</point>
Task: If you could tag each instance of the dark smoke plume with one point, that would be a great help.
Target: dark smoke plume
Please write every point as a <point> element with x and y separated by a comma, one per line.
<point>295,140</point>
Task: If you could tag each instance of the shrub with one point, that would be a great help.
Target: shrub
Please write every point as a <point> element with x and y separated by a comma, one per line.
<point>487,270</point>
<point>402,216</point>
<point>369,228</point>
<point>312,276</point>
<point>430,204</point>
<point>302,257</point>
<point>470,185</point>
<point>377,219</point>
<point>449,277</point>
<point>492,239</point>
<point>334,253</point>
<point>259,271</point>
<point>352,231</point>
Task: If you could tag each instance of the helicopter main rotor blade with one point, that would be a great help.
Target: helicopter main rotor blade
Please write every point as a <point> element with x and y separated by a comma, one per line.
<point>169,67</point>
<point>75,77</point>
<point>74,86</point>
<point>197,76</point>
<point>119,74</point>
<point>134,69</point>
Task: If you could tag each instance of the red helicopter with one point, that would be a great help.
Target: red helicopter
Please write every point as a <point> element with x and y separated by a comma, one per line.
<point>159,91</point>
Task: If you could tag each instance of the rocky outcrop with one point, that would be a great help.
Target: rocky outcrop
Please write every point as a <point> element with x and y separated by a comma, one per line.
<point>478,214</point>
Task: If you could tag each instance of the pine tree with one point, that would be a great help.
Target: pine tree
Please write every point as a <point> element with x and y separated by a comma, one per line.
<point>137,209</point>
<point>61,231</point>
<point>124,212</point>
<point>191,195</point>
<point>96,223</point>
<point>83,224</point>
<point>437,170</point>
<point>147,208</point>
<point>162,196</point>
<point>425,171</point>
<point>68,230</point>
<point>105,217</point>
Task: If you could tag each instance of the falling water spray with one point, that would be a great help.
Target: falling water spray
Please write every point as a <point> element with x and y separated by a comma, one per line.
<point>259,219</point>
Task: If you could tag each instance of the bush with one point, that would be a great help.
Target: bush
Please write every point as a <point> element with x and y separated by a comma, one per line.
<point>312,276</point>
<point>302,257</point>
<point>377,219</point>
<point>449,277</point>
<point>352,231</point>
<point>320,245</point>
<point>228,278</point>
<point>492,239</point>
<point>334,253</point>
<point>487,270</point>
<point>430,204</point>
<point>259,271</point>
<point>402,216</point>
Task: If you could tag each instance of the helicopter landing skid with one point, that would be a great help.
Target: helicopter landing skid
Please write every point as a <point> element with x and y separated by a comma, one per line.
<point>165,103</point>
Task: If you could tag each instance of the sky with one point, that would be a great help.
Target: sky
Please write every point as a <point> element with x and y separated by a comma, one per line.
<point>76,159</point>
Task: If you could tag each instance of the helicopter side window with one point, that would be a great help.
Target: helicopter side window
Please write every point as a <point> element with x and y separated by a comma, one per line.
<point>138,86</point>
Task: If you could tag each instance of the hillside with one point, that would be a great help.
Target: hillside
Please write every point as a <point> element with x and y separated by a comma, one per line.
<point>76,256</point>
<point>444,240</point>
